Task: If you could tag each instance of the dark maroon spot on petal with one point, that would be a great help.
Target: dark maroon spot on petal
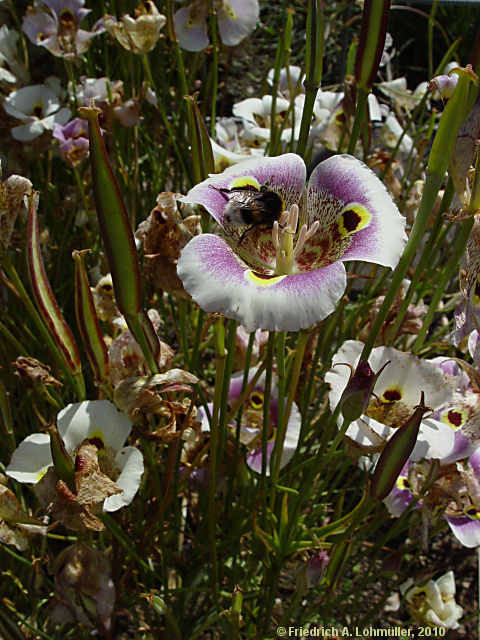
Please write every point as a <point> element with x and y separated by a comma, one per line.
<point>392,395</point>
<point>264,276</point>
<point>351,220</point>
<point>67,17</point>
<point>340,118</point>
<point>455,417</point>
<point>256,399</point>
<point>97,442</point>
<point>38,111</point>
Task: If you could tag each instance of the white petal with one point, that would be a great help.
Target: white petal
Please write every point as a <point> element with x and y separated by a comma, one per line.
<point>93,418</point>
<point>31,459</point>
<point>130,461</point>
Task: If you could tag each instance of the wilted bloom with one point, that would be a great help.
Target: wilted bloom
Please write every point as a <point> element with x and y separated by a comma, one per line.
<point>54,24</point>
<point>163,235</point>
<point>15,522</point>
<point>395,395</point>
<point>93,422</point>
<point>278,264</point>
<point>84,589</point>
<point>13,194</point>
<point>236,19</point>
<point>290,81</point>
<point>73,139</point>
<point>38,107</point>
<point>402,97</point>
<point>139,34</point>
<point>434,602</point>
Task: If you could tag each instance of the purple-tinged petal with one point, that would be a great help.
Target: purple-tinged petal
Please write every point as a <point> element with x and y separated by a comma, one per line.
<point>254,458</point>
<point>40,28</point>
<point>236,20</point>
<point>398,500</point>
<point>463,447</point>
<point>343,191</point>
<point>191,31</point>
<point>283,174</point>
<point>474,346</point>
<point>474,461</point>
<point>466,530</point>
<point>219,282</point>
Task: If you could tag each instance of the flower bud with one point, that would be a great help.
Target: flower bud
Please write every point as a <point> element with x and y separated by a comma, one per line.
<point>354,400</point>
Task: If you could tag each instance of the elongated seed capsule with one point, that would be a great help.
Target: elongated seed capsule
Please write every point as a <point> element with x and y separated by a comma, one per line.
<point>88,324</point>
<point>396,453</point>
<point>119,243</point>
<point>47,304</point>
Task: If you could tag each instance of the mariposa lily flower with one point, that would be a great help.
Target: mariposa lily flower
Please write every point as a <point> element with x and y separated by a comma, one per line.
<point>55,25</point>
<point>455,493</point>
<point>287,273</point>
<point>396,393</point>
<point>38,107</point>
<point>236,19</point>
<point>252,422</point>
<point>434,602</point>
<point>99,422</point>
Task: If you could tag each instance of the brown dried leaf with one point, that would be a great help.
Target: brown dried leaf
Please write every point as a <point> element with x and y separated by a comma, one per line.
<point>34,371</point>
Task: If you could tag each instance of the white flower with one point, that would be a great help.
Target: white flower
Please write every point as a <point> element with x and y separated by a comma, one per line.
<point>38,107</point>
<point>98,421</point>
<point>434,602</point>
<point>9,58</point>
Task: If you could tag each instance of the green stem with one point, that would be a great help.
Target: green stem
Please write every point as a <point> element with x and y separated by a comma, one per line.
<point>441,283</point>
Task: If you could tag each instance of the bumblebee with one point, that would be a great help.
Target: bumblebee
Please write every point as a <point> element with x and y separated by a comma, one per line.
<point>251,205</point>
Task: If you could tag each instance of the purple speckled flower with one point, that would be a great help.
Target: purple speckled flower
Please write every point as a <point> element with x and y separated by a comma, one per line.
<point>236,19</point>
<point>73,139</point>
<point>54,24</point>
<point>252,422</point>
<point>288,275</point>
<point>456,490</point>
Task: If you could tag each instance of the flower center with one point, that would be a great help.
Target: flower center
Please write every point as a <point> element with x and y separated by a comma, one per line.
<point>283,233</point>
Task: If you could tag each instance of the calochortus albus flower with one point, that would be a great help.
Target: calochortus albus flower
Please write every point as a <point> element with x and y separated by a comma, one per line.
<point>395,395</point>
<point>73,138</point>
<point>140,34</point>
<point>279,262</point>
<point>236,19</point>
<point>38,107</point>
<point>95,422</point>
<point>434,602</point>
<point>54,24</point>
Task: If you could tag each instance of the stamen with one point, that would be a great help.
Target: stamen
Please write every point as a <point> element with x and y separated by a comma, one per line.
<point>275,235</point>
<point>302,236</point>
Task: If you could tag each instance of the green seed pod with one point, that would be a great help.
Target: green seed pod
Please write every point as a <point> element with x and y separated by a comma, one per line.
<point>396,453</point>
<point>88,324</point>
<point>372,41</point>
